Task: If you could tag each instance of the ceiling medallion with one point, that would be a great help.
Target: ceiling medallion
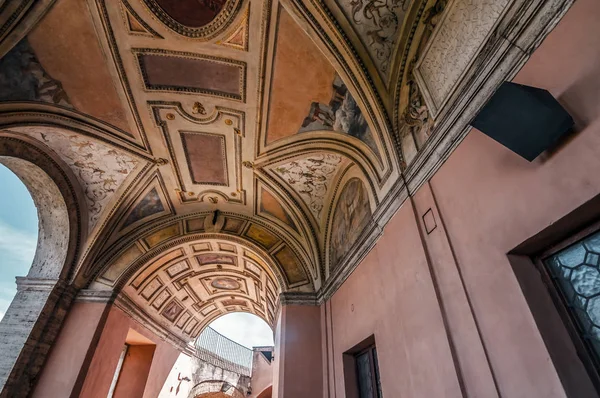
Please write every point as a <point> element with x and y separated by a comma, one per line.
<point>199,19</point>
<point>225,284</point>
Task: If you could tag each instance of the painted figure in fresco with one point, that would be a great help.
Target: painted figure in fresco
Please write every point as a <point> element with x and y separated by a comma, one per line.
<point>342,115</point>
<point>351,215</point>
<point>151,204</point>
<point>320,117</point>
<point>22,78</point>
<point>225,284</point>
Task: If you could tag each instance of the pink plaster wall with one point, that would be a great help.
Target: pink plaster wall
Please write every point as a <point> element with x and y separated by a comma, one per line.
<point>298,353</point>
<point>60,374</point>
<point>106,356</point>
<point>165,357</point>
<point>490,200</point>
<point>262,374</point>
<point>391,296</point>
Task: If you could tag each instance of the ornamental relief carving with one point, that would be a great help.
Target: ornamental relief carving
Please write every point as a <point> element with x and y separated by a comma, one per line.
<point>416,121</point>
<point>198,19</point>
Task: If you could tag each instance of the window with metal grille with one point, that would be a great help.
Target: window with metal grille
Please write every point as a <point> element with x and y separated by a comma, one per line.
<point>572,273</point>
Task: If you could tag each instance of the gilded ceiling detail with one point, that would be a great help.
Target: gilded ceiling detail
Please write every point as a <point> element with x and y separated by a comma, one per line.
<point>238,146</point>
<point>377,23</point>
<point>199,19</point>
<point>193,284</point>
<point>135,23</point>
<point>238,37</point>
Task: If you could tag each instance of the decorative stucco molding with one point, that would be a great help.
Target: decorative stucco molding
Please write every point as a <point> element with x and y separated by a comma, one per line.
<point>464,29</point>
<point>522,27</point>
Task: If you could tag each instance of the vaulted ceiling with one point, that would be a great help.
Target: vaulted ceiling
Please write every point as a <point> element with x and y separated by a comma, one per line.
<point>230,150</point>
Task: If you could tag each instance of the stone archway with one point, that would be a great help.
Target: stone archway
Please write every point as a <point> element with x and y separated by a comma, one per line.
<point>33,318</point>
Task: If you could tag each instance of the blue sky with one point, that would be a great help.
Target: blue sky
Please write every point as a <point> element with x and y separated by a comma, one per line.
<point>18,234</point>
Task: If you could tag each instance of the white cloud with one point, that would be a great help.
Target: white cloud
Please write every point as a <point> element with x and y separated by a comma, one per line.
<point>17,244</point>
<point>245,329</point>
<point>1,315</point>
<point>17,249</point>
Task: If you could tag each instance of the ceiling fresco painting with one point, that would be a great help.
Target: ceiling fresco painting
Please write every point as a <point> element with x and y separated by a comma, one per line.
<point>70,51</point>
<point>22,78</point>
<point>150,204</point>
<point>270,205</point>
<point>311,178</point>
<point>100,168</point>
<point>291,97</point>
<point>378,24</point>
<point>351,215</point>
<point>320,101</point>
<point>234,155</point>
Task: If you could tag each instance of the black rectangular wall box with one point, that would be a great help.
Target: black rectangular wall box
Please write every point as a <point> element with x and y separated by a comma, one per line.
<point>526,120</point>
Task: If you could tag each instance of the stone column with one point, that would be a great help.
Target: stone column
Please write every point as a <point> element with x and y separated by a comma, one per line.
<point>28,330</point>
<point>298,353</point>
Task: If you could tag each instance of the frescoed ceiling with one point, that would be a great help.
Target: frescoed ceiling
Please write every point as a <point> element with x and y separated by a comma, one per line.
<point>258,134</point>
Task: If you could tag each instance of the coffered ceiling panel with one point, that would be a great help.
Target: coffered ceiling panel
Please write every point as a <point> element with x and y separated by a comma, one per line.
<point>193,284</point>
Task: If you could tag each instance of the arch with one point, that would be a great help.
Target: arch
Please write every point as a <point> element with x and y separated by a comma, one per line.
<point>39,307</point>
<point>215,389</point>
<point>58,199</point>
<point>185,288</point>
<point>283,255</point>
<point>346,224</point>
<point>266,393</point>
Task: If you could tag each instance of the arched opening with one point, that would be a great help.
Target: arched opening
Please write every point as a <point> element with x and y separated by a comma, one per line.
<point>231,358</point>
<point>246,329</point>
<point>18,234</point>
<point>43,293</point>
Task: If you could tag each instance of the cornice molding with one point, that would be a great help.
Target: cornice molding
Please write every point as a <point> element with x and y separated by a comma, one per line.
<point>520,31</point>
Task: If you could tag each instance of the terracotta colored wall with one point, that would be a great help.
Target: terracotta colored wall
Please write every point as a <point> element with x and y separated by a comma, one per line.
<point>445,307</point>
<point>134,373</point>
<point>108,350</point>
<point>262,374</point>
<point>391,295</point>
<point>165,357</point>
<point>298,353</point>
<point>73,345</point>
